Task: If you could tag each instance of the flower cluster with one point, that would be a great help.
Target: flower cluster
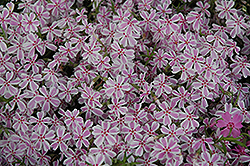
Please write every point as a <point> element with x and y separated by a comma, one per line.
<point>115,82</point>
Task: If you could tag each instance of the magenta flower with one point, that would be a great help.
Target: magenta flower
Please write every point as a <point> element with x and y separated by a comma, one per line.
<point>182,97</point>
<point>14,151</point>
<point>116,88</point>
<point>20,123</point>
<point>241,65</point>
<point>3,46</point>
<point>48,98</point>
<point>160,59</point>
<point>33,44</point>
<point>72,119</point>
<point>226,9</point>
<point>193,60</point>
<point>208,159</point>
<point>95,160</point>
<point>73,157</point>
<point>34,63</point>
<point>40,122</point>
<point>237,23</point>
<point>203,8</point>
<point>66,92</point>
<point>55,6</point>
<point>105,132</point>
<point>166,149</point>
<point>81,133</point>
<point>5,62</point>
<point>51,31</point>
<point>68,50</point>
<point>30,22</point>
<point>167,113</point>
<point>202,142</point>
<point>158,30</point>
<point>41,14</point>
<point>132,131</point>
<point>7,85</point>
<point>117,107</point>
<point>30,80</point>
<point>109,32</point>
<point>91,52</point>
<point>42,137</point>
<point>142,145</point>
<point>148,19</point>
<point>61,139</point>
<point>187,41</point>
<point>195,19</point>
<point>17,47</point>
<point>161,85</point>
<point>170,23</point>
<point>172,131</point>
<point>105,151</point>
<point>230,123</point>
<point>17,100</point>
<point>189,118</point>
<point>129,25</point>
<point>127,37</point>
<point>121,52</point>
<point>90,95</point>
<point>4,18</point>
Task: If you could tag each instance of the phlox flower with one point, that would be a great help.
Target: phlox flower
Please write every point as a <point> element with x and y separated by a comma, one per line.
<point>161,85</point>
<point>17,100</point>
<point>225,8</point>
<point>3,46</point>
<point>72,119</point>
<point>165,149</point>
<point>48,98</point>
<point>158,30</point>
<point>237,23</point>
<point>7,85</point>
<point>117,107</point>
<point>30,23</point>
<point>116,88</point>
<point>41,137</point>
<point>55,6</point>
<point>167,113</point>
<point>95,160</point>
<point>66,92</point>
<point>14,151</point>
<point>30,80</point>
<point>148,19</point>
<point>132,131</point>
<point>61,139</point>
<point>40,121</point>
<point>81,133</point>
<point>189,118</point>
<point>170,23</point>
<point>230,123</point>
<point>193,59</point>
<point>127,37</point>
<point>182,97</point>
<point>104,132</point>
<point>203,8</point>
<point>90,95</point>
<point>210,160</point>
<point>241,65</point>
<point>105,151</point>
<point>195,19</point>
<point>20,123</point>
<point>172,131</point>
<point>142,145</point>
<point>73,157</point>
<point>201,142</point>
